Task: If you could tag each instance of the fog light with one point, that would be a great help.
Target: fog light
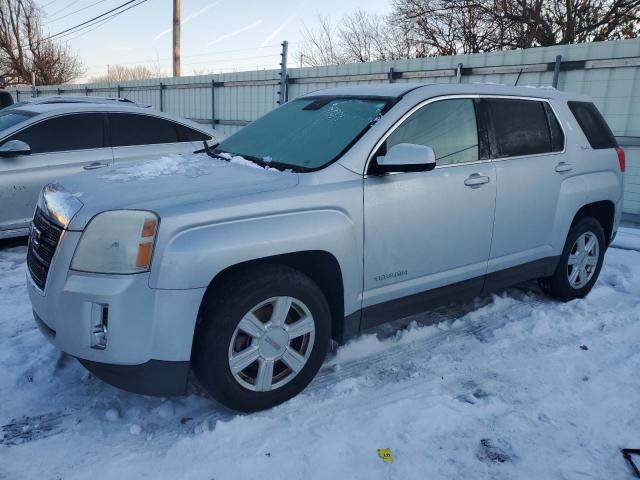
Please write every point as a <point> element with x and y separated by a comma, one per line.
<point>99,323</point>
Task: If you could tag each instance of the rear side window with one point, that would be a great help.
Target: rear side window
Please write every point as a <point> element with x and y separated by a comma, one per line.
<point>520,127</point>
<point>130,129</point>
<point>593,125</point>
<point>186,134</point>
<point>69,132</point>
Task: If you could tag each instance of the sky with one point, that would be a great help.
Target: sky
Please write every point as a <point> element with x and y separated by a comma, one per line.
<point>217,35</point>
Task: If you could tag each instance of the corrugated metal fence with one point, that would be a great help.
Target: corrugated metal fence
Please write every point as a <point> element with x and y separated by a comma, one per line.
<point>607,71</point>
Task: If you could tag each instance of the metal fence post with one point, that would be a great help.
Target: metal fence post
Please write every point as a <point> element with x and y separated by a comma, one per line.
<point>556,71</point>
<point>86,91</point>
<point>161,97</point>
<point>282,93</point>
<point>119,89</point>
<point>213,104</point>
<point>459,73</point>
<point>391,72</point>
<point>17,96</point>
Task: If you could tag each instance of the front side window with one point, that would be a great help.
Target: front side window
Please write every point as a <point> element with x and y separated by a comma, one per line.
<point>308,133</point>
<point>447,126</point>
<point>186,134</point>
<point>11,118</point>
<point>65,133</point>
<point>520,127</point>
<point>129,129</point>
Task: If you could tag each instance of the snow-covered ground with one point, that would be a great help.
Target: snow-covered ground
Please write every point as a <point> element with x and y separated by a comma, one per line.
<point>513,386</point>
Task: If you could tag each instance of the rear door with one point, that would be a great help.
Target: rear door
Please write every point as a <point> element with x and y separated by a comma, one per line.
<point>528,153</point>
<point>59,146</point>
<point>143,137</point>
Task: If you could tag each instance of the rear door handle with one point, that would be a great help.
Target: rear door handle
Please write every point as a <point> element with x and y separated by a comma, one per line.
<point>94,165</point>
<point>563,167</point>
<point>475,180</point>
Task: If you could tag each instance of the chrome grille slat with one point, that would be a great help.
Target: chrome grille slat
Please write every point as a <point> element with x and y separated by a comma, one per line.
<point>43,242</point>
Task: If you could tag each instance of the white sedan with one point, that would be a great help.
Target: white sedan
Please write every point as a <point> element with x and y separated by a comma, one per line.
<point>49,137</point>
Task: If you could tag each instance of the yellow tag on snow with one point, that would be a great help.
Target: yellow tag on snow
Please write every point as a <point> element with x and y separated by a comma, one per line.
<point>385,454</point>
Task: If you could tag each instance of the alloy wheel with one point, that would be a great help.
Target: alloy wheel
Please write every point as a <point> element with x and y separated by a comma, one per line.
<point>271,344</point>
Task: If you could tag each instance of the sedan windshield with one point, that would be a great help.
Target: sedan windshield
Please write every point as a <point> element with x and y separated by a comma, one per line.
<point>10,118</point>
<point>306,134</point>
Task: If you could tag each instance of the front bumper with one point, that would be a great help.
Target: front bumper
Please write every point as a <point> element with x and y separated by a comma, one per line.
<point>149,331</point>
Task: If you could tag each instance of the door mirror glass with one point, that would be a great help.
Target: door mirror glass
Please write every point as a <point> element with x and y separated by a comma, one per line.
<point>13,148</point>
<point>407,157</point>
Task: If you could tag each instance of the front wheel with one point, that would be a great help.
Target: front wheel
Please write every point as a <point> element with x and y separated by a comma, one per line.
<point>263,337</point>
<point>580,263</point>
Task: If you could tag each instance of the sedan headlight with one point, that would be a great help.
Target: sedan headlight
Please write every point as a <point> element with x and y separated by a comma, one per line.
<point>118,241</point>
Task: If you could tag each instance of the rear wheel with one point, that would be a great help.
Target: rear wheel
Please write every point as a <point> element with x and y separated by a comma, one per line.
<point>263,337</point>
<point>580,263</point>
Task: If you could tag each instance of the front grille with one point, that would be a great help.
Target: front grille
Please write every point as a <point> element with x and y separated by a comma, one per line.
<point>43,240</point>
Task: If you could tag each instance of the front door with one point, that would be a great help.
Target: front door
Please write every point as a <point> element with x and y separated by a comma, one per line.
<point>428,234</point>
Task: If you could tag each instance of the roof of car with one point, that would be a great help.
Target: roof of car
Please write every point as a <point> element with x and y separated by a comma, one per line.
<point>42,108</point>
<point>62,99</point>
<point>396,90</point>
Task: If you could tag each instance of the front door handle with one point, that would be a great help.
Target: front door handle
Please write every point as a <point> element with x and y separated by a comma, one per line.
<point>563,167</point>
<point>475,180</point>
<point>94,165</point>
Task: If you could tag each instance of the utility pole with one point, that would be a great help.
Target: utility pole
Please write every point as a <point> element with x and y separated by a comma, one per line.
<point>176,38</point>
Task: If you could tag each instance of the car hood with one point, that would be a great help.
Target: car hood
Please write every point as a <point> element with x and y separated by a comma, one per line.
<point>167,182</point>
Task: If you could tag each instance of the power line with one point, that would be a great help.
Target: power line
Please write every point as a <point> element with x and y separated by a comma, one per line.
<point>96,23</point>
<point>98,17</point>
<point>69,5</point>
<point>55,19</point>
<point>219,52</point>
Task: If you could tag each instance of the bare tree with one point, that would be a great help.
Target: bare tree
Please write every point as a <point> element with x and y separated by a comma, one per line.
<point>121,73</point>
<point>360,37</point>
<point>367,37</point>
<point>24,50</point>
<point>446,27</point>
<point>320,45</point>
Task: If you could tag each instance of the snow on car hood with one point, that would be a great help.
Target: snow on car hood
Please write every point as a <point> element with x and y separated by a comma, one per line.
<point>169,181</point>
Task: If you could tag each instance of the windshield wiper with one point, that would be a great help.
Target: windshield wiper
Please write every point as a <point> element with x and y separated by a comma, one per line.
<point>208,150</point>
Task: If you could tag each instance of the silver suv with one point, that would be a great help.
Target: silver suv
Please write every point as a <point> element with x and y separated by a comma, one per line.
<point>368,204</point>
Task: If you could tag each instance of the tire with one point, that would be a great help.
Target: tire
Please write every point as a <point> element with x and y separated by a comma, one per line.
<point>267,338</point>
<point>569,281</point>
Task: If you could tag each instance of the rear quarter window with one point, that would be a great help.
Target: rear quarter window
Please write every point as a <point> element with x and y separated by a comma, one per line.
<point>593,125</point>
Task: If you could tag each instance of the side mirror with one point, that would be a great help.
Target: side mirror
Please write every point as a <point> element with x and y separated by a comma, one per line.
<point>13,148</point>
<point>407,157</point>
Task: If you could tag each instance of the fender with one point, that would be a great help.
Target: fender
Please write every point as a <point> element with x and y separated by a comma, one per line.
<point>193,257</point>
<point>581,190</point>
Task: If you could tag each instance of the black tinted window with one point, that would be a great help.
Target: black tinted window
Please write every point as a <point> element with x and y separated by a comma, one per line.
<point>186,134</point>
<point>131,129</point>
<point>520,127</point>
<point>593,125</point>
<point>557,136</point>
<point>68,132</point>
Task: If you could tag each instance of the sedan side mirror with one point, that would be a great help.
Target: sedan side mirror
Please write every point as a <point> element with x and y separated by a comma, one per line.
<point>407,157</point>
<point>13,148</point>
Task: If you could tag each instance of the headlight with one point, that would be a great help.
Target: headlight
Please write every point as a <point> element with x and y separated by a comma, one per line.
<point>119,241</point>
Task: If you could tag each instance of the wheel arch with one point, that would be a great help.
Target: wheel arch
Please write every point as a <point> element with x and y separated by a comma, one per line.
<point>320,266</point>
<point>603,211</point>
